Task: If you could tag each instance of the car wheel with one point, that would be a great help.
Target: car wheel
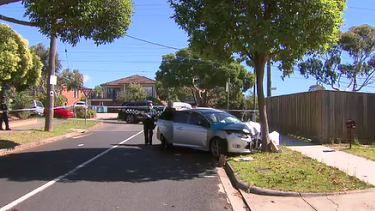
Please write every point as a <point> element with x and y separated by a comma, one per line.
<point>218,147</point>
<point>130,119</point>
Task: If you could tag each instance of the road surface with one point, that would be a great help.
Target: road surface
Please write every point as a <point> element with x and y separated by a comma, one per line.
<point>126,177</point>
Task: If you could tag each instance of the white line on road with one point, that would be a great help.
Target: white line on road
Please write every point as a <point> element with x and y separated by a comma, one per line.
<point>50,183</point>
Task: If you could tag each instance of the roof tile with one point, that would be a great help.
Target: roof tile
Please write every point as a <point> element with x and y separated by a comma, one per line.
<point>135,79</point>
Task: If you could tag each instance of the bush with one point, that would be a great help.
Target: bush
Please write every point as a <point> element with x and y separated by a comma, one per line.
<point>59,102</point>
<point>80,113</point>
<point>22,100</point>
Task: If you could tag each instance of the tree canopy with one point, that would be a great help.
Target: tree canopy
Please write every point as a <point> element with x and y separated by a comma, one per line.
<point>100,20</point>
<point>260,31</point>
<point>43,53</point>
<point>19,68</point>
<point>69,80</point>
<point>185,70</point>
<point>133,93</point>
<point>359,44</point>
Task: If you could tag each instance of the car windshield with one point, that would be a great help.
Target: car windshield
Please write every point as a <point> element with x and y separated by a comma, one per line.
<point>221,117</point>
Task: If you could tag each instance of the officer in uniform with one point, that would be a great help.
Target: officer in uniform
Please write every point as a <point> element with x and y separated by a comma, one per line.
<point>149,124</point>
<point>4,114</point>
<point>169,112</point>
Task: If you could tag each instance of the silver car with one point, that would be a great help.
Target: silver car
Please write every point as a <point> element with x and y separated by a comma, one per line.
<point>205,129</point>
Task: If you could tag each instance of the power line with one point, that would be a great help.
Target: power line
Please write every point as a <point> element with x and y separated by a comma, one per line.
<point>152,43</point>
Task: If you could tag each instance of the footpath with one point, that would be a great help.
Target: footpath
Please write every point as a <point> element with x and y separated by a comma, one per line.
<point>353,165</point>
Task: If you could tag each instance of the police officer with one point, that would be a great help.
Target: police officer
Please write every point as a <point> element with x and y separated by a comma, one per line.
<point>149,124</point>
<point>4,114</point>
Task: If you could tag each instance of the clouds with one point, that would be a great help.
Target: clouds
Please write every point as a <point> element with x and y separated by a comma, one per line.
<point>86,78</point>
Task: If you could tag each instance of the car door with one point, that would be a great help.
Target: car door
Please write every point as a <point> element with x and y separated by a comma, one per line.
<point>181,128</point>
<point>198,130</point>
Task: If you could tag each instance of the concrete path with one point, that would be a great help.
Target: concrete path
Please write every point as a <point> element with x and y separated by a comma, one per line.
<point>106,115</point>
<point>350,202</point>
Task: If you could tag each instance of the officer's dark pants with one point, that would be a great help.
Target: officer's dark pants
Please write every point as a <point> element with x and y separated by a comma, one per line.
<point>149,132</point>
<point>4,118</point>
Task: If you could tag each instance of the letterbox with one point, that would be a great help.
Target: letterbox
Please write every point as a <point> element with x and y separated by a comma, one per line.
<point>350,124</point>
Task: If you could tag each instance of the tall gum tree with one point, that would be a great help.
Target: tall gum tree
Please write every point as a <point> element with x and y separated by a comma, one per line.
<point>103,21</point>
<point>260,30</point>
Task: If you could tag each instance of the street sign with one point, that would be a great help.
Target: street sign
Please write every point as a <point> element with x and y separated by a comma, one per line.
<point>87,92</point>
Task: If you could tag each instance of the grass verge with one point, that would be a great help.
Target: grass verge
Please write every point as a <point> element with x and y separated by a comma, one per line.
<point>365,151</point>
<point>292,171</point>
<point>18,138</point>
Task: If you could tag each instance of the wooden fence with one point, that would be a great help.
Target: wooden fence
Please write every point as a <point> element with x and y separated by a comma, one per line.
<point>322,114</point>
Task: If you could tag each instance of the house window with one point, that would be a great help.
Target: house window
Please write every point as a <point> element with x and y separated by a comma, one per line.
<point>75,93</point>
<point>149,91</point>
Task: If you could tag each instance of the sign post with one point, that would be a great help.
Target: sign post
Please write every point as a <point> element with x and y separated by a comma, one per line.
<point>87,93</point>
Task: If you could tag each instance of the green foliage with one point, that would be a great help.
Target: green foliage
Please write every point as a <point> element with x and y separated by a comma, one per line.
<point>133,92</point>
<point>80,113</point>
<point>184,71</point>
<point>174,94</point>
<point>237,100</point>
<point>98,90</point>
<point>60,101</point>
<point>42,98</point>
<point>69,80</point>
<point>43,53</point>
<point>18,67</point>
<point>83,98</point>
<point>328,68</point>
<point>100,20</point>
<point>22,100</point>
<point>260,31</point>
<point>154,100</point>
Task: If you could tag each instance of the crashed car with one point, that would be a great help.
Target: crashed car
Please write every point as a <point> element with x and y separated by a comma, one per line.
<point>205,129</point>
<point>256,134</point>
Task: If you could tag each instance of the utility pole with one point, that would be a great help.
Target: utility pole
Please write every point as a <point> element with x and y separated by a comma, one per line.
<point>269,79</point>
<point>51,84</point>
<point>228,89</point>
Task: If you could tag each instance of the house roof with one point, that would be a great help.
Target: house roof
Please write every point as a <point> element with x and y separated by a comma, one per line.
<point>135,79</point>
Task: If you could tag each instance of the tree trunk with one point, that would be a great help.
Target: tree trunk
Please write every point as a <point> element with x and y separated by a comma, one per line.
<point>269,79</point>
<point>50,88</point>
<point>260,62</point>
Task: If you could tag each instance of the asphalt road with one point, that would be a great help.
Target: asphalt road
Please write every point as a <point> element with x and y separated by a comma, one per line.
<point>130,177</point>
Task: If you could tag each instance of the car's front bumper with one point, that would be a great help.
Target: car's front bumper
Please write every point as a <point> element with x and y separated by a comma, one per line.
<point>238,145</point>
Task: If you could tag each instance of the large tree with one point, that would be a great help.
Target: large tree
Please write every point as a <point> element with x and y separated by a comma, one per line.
<point>203,79</point>
<point>260,31</point>
<point>359,43</point>
<point>68,80</point>
<point>43,53</point>
<point>103,21</point>
<point>174,94</point>
<point>133,93</point>
<point>19,68</point>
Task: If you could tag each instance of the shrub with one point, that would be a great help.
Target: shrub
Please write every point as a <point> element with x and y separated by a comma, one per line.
<point>59,102</point>
<point>22,100</point>
<point>80,113</point>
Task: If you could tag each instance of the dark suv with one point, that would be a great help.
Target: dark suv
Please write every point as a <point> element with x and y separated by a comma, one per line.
<point>132,113</point>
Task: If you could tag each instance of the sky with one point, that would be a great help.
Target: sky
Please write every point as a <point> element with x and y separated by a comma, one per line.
<point>152,22</point>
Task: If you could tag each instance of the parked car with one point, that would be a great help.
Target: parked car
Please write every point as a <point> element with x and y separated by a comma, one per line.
<point>205,129</point>
<point>80,104</point>
<point>132,111</point>
<point>62,113</point>
<point>37,108</point>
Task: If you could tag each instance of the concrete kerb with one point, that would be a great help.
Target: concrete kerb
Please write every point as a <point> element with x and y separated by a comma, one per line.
<point>22,147</point>
<point>238,184</point>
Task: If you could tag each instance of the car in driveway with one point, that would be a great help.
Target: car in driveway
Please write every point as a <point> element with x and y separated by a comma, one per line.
<point>62,112</point>
<point>205,129</point>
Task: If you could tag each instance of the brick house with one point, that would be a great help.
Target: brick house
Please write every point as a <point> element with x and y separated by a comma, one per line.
<point>112,88</point>
<point>72,96</point>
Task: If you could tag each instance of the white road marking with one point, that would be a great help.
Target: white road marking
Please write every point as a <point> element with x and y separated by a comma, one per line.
<point>80,145</point>
<point>50,183</point>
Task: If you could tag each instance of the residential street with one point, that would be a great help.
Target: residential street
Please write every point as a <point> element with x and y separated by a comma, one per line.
<point>129,177</point>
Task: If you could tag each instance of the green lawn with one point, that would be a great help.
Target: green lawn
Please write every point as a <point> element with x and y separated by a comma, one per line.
<point>365,151</point>
<point>16,138</point>
<point>292,171</point>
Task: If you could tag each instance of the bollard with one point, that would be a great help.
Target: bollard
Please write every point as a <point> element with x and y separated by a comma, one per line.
<point>350,126</point>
